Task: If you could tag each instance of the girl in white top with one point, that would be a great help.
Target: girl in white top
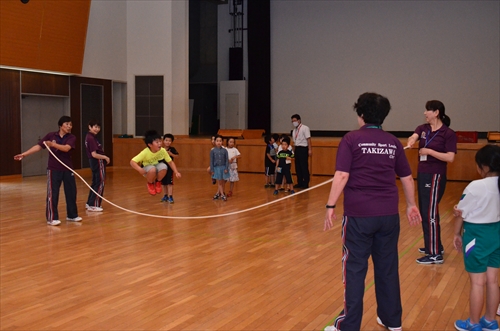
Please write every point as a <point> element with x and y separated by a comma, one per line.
<point>234,154</point>
<point>479,213</point>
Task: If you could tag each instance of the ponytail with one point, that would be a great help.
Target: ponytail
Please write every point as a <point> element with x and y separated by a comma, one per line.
<point>489,155</point>
<point>446,120</point>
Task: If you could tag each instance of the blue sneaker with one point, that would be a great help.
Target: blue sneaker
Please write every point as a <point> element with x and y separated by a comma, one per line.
<point>467,326</point>
<point>488,325</point>
<point>275,192</point>
<point>164,199</point>
<point>170,199</point>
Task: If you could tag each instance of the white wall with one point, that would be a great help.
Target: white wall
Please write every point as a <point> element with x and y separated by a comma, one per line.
<point>179,102</point>
<point>106,45</point>
<point>142,37</point>
<point>152,50</point>
<point>324,54</point>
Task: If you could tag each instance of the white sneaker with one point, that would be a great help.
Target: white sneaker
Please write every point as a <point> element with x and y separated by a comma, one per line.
<point>76,219</point>
<point>54,222</point>
<point>331,328</point>
<point>93,208</point>
<point>379,321</point>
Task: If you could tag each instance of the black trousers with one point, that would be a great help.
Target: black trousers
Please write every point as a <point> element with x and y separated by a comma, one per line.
<point>302,165</point>
<point>54,180</point>
<point>98,168</point>
<point>378,237</point>
<point>430,191</point>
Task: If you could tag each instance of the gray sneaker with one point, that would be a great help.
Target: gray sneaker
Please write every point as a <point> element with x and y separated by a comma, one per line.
<point>76,219</point>
<point>54,222</point>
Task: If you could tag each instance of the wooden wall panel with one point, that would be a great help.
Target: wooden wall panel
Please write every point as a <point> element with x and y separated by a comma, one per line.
<point>195,155</point>
<point>10,121</point>
<point>44,34</point>
<point>38,83</point>
<point>107,124</point>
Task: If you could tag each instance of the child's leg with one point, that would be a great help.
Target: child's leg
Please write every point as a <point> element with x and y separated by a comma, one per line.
<point>492,293</point>
<point>231,186</point>
<point>161,174</point>
<point>151,175</point>
<point>220,186</point>
<point>165,189</point>
<point>170,189</point>
<point>477,282</point>
<point>276,183</point>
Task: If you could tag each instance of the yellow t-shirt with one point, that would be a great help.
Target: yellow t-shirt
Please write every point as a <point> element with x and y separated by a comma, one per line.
<point>146,157</point>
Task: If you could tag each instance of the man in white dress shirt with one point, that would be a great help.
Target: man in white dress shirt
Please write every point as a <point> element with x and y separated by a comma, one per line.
<point>301,136</point>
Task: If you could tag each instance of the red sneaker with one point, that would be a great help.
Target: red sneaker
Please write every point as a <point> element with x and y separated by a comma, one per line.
<point>151,189</point>
<point>229,194</point>
<point>158,187</point>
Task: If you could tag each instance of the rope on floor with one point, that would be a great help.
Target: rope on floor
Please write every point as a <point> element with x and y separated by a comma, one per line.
<point>185,217</point>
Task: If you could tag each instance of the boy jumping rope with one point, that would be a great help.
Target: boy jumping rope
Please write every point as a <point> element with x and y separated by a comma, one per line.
<point>150,158</point>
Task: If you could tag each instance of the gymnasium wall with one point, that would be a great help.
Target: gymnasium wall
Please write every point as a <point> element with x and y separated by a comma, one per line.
<point>326,53</point>
<point>141,38</point>
<point>106,44</point>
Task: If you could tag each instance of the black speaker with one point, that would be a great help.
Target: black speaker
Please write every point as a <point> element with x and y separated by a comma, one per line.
<point>235,63</point>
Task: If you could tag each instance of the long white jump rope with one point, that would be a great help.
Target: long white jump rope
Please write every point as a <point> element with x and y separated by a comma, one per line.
<point>183,217</point>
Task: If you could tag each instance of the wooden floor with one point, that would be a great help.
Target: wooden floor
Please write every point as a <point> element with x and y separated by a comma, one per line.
<point>271,268</point>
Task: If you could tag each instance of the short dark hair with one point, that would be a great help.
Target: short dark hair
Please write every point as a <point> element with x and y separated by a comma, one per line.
<point>283,136</point>
<point>93,122</point>
<point>63,119</point>
<point>438,105</point>
<point>286,139</point>
<point>168,135</point>
<point>229,138</point>
<point>372,107</point>
<point>218,136</point>
<point>274,136</point>
<point>489,155</point>
<point>297,116</point>
<point>150,136</point>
